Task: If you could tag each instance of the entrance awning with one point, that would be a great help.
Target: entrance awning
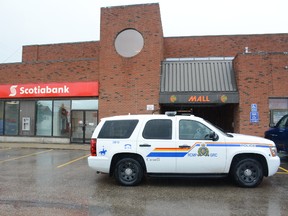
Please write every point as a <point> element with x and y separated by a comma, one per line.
<point>198,82</point>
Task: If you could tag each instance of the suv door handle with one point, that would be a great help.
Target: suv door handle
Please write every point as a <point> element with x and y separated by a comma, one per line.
<point>145,145</point>
<point>184,146</point>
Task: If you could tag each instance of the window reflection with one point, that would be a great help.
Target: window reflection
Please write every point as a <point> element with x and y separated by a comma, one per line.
<point>44,118</point>
<point>11,117</point>
<point>278,108</point>
<point>1,117</point>
<point>193,130</point>
<point>61,118</point>
<point>84,104</point>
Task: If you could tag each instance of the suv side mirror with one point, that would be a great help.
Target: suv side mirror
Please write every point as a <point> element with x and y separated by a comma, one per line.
<point>213,136</point>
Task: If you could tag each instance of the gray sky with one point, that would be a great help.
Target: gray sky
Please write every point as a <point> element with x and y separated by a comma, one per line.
<point>31,22</point>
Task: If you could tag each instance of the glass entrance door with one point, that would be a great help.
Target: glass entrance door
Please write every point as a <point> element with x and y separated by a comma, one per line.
<point>83,124</point>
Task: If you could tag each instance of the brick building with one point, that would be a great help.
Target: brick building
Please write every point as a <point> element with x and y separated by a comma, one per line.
<point>59,91</point>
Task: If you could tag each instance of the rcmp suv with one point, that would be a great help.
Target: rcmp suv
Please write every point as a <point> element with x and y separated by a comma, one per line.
<point>129,147</point>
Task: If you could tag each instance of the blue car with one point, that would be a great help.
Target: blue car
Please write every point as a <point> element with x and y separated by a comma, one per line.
<point>279,134</point>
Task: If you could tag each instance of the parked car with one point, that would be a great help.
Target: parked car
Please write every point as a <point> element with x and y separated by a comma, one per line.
<point>129,147</point>
<point>279,134</point>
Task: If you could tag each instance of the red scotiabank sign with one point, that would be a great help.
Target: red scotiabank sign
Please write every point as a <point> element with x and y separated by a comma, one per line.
<point>46,90</point>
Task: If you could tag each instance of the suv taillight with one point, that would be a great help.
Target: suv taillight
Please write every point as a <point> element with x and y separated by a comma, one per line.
<point>93,150</point>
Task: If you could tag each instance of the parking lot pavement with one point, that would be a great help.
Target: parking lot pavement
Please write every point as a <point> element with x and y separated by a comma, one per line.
<point>46,146</point>
<point>57,181</point>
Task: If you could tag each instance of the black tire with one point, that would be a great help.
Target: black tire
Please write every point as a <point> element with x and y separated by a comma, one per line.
<point>248,173</point>
<point>128,172</point>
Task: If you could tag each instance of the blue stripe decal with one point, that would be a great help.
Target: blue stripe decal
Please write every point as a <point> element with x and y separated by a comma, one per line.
<point>262,146</point>
<point>167,154</point>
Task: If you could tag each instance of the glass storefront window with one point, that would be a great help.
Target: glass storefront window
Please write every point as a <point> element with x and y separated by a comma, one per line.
<point>44,118</point>
<point>11,120</point>
<point>1,117</point>
<point>84,104</point>
<point>278,108</point>
<point>278,103</point>
<point>47,117</point>
<point>61,118</point>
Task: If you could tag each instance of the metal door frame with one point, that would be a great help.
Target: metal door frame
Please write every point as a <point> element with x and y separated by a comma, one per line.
<point>83,138</point>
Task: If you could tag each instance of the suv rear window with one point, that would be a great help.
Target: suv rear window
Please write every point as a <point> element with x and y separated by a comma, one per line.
<point>158,129</point>
<point>117,129</point>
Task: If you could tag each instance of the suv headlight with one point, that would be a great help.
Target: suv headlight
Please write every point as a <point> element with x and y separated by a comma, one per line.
<point>273,150</point>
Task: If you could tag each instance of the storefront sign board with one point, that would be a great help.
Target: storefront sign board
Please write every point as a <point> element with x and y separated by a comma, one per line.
<point>49,90</point>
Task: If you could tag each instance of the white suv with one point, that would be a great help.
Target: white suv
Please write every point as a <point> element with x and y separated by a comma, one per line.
<point>171,145</point>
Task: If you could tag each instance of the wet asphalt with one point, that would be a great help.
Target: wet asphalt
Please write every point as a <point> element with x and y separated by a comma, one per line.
<point>49,180</point>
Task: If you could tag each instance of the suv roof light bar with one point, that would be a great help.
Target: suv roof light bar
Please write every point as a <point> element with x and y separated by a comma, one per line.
<point>171,113</point>
<point>179,112</point>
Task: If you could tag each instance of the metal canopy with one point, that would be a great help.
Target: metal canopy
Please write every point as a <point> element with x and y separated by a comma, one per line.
<point>198,81</point>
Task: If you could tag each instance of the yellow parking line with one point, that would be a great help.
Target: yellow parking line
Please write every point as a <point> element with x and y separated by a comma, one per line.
<point>70,162</point>
<point>24,156</point>
<point>3,149</point>
<point>285,170</point>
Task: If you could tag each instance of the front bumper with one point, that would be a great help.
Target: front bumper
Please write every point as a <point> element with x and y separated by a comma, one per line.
<point>273,165</point>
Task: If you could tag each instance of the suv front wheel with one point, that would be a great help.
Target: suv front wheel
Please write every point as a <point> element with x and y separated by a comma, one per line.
<point>248,172</point>
<point>128,172</point>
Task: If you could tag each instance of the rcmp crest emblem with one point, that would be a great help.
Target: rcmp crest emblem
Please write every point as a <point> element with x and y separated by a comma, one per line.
<point>203,150</point>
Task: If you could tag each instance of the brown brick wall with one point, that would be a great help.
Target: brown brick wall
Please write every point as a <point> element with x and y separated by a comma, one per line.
<point>45,72</point>
<point>65,51</point>
<point>259,76</point>
<point>127,85</point>
<point>230,45</point>
<point>174,47</point>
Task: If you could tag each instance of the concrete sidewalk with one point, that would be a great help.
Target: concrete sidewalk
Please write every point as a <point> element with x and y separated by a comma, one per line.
<point>85,147</point>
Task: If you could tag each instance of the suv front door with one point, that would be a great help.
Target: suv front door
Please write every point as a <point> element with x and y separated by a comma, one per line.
<point>203,155</point>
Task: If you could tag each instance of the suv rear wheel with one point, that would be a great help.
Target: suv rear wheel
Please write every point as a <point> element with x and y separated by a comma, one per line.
<point>248,172</point>
<point>128,172</point>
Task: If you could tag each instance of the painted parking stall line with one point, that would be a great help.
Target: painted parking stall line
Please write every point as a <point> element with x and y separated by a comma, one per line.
<point>25,156</point>
<point>73,161</point>
<point>5,149</point>
<point>285,171</point>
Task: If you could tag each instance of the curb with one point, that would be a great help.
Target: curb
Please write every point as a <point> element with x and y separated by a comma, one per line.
<point>85,147</point>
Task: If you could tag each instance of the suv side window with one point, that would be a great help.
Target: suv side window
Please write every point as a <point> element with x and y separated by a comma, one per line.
<point>117,129</point>
<point>193,130</point>
<point>158,129</point>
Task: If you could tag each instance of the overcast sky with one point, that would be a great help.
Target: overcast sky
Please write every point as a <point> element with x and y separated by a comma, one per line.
<point>31,22</point>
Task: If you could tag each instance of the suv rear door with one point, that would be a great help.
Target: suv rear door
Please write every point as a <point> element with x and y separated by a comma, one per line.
<point>156,143</point>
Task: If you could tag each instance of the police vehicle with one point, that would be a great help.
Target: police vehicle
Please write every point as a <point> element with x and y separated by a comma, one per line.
<point>133,146</point>
<point>279,134</point>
